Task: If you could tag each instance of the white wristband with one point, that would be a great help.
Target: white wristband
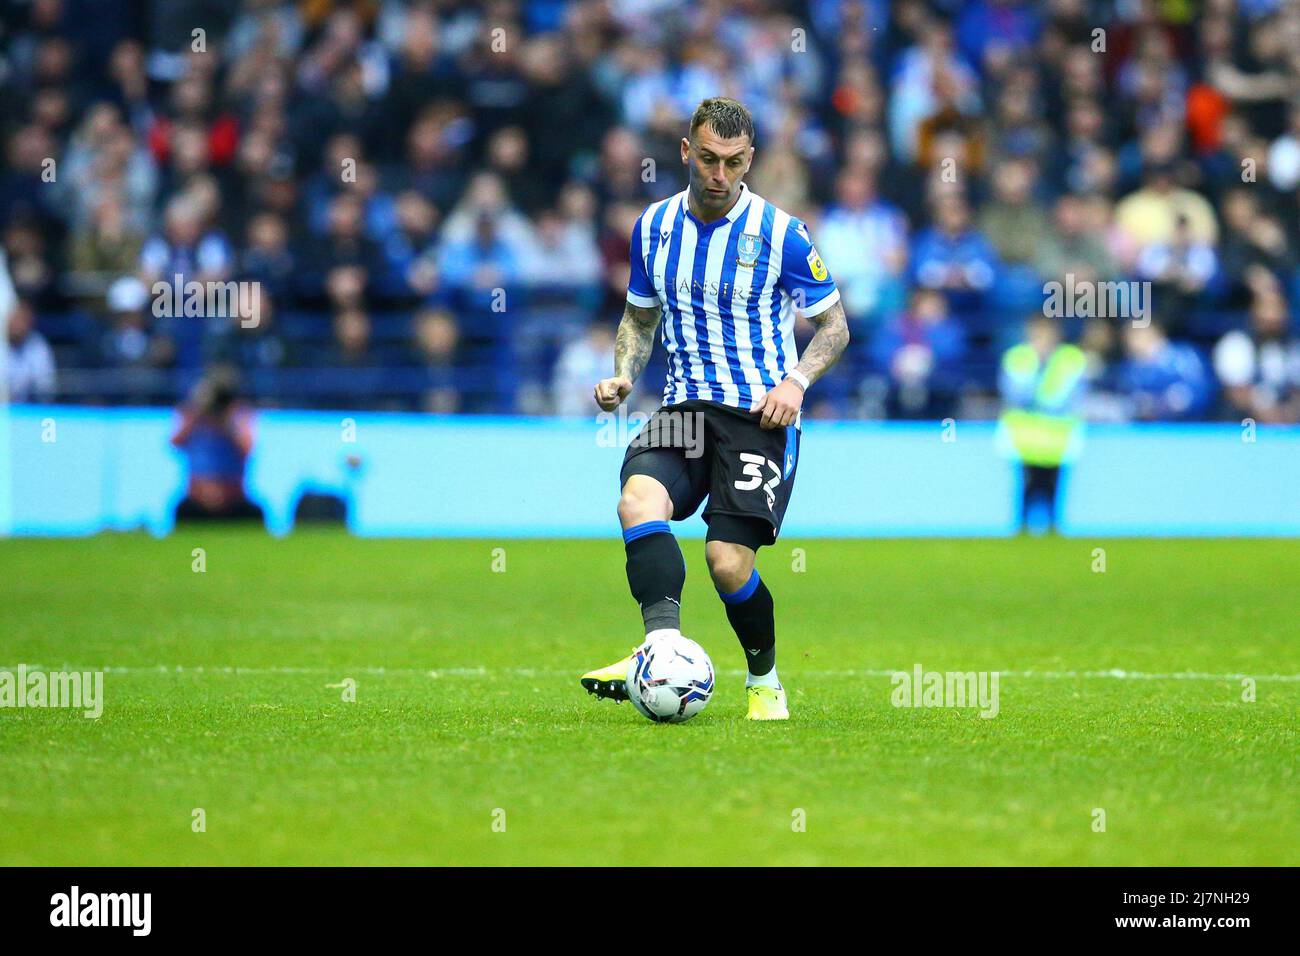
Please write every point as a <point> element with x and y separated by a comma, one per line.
<point>799,377</point>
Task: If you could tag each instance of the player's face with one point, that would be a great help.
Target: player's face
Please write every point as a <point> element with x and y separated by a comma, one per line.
<point>717,167</point>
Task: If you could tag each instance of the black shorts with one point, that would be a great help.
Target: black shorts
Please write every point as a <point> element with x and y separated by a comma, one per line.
<point>701,450</point>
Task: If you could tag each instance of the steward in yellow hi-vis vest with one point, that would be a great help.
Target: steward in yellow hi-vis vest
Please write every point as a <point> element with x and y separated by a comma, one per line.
<point>1042,381</point>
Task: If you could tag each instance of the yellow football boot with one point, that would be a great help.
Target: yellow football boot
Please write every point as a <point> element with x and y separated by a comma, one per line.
<point>609,682</point>
<point>767,703</point>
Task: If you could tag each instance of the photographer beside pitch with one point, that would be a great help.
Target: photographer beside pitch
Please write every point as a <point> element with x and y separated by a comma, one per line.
<point>215,435</point>
<point>725,271</point>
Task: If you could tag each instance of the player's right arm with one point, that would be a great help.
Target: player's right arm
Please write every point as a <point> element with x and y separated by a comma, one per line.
<point>632,348</point>
<point>636,332</point>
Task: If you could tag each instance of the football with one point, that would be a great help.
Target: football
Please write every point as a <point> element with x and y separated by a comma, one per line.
<point>670,679</point>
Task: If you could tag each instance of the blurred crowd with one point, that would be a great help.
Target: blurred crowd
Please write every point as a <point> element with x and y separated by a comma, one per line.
<point>435,197</point>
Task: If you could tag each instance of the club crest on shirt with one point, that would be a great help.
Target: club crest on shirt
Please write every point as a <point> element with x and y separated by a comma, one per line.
<point>817,266</point>
<point>747,250</point>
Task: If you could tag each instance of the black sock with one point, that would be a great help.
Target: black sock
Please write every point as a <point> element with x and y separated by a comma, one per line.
<point>751,614</point>
<point>656,573</point>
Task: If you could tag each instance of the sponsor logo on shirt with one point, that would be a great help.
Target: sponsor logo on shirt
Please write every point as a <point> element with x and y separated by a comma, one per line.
<point>817,266</point>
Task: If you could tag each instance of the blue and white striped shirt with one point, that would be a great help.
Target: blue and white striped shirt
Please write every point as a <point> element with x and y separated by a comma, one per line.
<point>728,291</point>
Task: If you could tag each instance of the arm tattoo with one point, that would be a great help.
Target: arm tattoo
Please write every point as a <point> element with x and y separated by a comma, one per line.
<point>635,340</point>
<point>827,343</point>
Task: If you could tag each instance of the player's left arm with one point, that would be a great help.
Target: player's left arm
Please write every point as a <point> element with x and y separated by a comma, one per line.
<point>805,278</point>
<point>827,344</point>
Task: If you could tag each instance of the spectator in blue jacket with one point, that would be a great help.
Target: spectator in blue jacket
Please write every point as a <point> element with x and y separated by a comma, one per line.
<point>482,263</point>
<point>1166,381</point>
<point>955,258</point>
<point>920,354</point>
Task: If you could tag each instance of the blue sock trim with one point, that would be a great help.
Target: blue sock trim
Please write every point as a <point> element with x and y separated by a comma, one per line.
<point>641,530</point>
<point>745,593</point>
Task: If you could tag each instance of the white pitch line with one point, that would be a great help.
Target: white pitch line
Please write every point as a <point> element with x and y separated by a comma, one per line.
<point>159,669</point>
<point>1114,673</point>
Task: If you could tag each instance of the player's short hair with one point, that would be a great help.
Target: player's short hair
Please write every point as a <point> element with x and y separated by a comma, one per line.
<point>726,117</point>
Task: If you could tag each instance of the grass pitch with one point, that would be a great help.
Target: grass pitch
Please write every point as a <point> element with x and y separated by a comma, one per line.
<point>471,742</point>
